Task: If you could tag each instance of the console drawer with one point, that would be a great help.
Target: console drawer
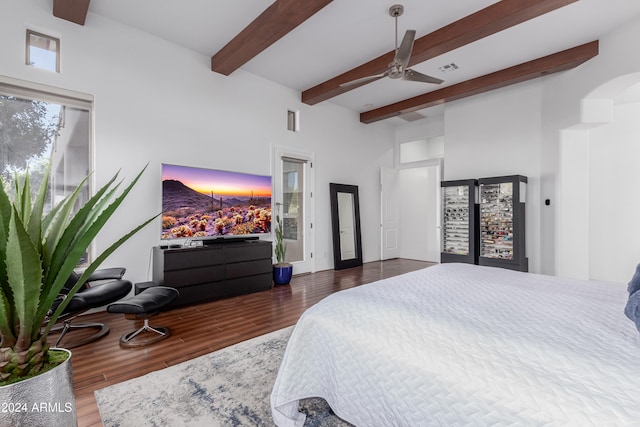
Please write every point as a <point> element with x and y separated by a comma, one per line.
<point>179,259</point>
<point>243,285</point>
<point>197,294</point>
<point>194,276</point>
<point>247,252</point>
<point>248,268</point>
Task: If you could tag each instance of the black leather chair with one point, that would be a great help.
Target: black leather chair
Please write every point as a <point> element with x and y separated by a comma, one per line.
<point>103,287</point>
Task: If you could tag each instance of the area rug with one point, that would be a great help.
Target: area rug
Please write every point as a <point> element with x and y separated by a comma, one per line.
<point>229,387</point>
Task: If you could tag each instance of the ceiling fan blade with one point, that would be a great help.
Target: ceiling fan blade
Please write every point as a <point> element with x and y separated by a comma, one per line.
<point>415,76</point>
<point>363,80</point>
<point>403,54</point>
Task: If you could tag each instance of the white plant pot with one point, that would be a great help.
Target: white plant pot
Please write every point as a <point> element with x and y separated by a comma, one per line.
<point>45,400</point>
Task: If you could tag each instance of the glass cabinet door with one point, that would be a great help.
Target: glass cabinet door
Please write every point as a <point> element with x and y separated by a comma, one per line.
<point>455,220</point>
<point>460,221</point>
<point>502,222</point>
<point>496,220</point>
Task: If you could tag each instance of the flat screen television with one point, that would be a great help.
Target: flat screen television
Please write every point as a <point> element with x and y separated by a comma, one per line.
<point>200,203</point>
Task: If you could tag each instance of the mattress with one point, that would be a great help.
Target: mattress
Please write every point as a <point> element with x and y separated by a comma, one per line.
<point>464,345</point>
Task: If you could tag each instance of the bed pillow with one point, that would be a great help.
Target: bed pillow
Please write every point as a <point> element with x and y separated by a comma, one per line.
<point>634,284</point>
<point>632,309</point>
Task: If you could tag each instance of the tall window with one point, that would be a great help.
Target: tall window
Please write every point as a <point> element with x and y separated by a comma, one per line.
<point>40,129</point>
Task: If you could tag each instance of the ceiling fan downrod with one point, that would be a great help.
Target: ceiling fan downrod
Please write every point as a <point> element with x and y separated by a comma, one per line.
<point>395,11</point>
<point>398,68</point>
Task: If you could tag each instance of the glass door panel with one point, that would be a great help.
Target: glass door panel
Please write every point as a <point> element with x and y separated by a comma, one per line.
<point>293,208</point>
<point>496,212</point>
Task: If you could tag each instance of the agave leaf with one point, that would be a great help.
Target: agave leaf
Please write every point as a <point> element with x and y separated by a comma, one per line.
<point>55,211</point>
<point>17,190</point>
<point>6,296</point>
<point>35,218</point>
<point>5,215</point>
<point>51,223</point>
<point>24,274</point>
<point>58,224</point>
<point>60,236</point>
<point>6,332</point>
<point>23,197</point>
<point>26,200</point>
<point>73,243</point>
<point>92,267</point>
<point>99,208</point>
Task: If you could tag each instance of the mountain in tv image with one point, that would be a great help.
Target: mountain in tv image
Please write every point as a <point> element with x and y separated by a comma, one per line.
<point>188,213</point>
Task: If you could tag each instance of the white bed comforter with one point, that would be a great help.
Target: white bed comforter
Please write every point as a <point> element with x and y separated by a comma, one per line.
<point>462,345</point>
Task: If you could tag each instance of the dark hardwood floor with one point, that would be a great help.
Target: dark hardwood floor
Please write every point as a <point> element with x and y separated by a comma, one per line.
<point>201,329</point>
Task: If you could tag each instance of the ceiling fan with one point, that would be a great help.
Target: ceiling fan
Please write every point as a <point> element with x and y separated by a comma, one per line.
<point>398,68</point>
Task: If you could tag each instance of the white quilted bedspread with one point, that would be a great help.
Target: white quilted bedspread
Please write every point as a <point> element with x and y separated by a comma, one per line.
<point>462,345</point>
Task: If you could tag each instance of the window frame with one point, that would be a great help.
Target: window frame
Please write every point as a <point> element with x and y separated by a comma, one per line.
<point>31,90</point>
<point>29,45</point>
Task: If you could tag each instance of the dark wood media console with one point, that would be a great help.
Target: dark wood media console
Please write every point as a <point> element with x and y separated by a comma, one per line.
<point>219,270</point>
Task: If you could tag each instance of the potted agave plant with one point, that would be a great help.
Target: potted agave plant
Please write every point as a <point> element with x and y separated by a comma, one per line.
<point>38,252</point>
<point>281,270</point>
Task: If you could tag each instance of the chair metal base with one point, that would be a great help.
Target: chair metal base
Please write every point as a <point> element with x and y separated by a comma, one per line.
<point>158,334</point>
<point>67,326</point>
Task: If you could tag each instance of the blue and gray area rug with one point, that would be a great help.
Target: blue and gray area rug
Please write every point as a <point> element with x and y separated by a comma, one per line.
<point>229,387</point>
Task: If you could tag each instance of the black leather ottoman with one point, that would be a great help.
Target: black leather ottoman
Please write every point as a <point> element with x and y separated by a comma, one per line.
<point>142,306</point>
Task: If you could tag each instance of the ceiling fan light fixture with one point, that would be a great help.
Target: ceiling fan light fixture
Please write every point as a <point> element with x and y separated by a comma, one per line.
<point>398,68</point>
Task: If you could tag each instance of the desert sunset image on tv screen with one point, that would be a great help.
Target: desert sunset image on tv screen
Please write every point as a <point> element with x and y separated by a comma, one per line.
<point>199,202</point>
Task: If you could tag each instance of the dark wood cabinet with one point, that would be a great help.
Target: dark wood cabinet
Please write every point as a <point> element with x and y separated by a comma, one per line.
<point>205,273</point>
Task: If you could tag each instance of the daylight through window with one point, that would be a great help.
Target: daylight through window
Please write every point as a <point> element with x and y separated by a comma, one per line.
<point>38,130</point>
<point>43,51</point>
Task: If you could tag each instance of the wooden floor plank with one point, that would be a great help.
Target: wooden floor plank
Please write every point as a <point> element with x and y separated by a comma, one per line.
<point>201,329</point>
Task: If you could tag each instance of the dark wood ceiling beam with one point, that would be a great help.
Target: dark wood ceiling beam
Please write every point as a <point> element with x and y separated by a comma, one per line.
<point>274,23</point>
<point>490,20</point>
<point>71,10</point>
<point>559,61</point>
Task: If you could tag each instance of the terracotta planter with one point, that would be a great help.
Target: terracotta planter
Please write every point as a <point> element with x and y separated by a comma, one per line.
<point>282,274</point>
<point>45,400</point>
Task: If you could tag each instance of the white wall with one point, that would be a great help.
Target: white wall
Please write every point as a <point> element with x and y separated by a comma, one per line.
<point>499,134</point>
<point>430,129</point>
<point>572,195</point>
<point>529,128</point>
<point>156,102</point>
<point>598,170</point>
<point>614,205</point>
<point>567,123</point>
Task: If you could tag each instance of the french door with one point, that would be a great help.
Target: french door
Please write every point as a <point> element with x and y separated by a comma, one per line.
<point>293,178</point>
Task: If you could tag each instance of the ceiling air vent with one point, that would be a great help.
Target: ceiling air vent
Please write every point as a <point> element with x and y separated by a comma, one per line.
<point>449,68</point>
<point>412,116</point>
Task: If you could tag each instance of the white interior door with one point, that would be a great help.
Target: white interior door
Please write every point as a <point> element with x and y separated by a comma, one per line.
<point>419,196</point>
<point>389,238</point>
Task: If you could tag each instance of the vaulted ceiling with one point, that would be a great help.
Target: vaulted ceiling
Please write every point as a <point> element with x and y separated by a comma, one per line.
<point>315,46</point>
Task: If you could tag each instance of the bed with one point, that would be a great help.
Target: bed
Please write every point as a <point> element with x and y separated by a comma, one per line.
<point>458,344</point>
